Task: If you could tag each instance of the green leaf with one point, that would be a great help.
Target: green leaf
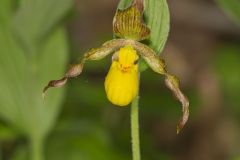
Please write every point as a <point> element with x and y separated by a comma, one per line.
<point>24,75</point>
<point>157,18</point>
<point>34,19</point>
<point>231,7</point>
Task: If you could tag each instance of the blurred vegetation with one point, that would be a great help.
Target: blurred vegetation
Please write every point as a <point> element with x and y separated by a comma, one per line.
<point>231,7</point>
<point>31,52</point>
<point>227,67</point>
<point>78,122</point>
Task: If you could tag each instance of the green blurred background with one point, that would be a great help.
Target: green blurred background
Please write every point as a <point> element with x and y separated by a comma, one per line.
<point>39,38</point>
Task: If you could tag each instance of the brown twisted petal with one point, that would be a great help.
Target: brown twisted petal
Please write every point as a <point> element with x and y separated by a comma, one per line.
<point>171,81</point>
<point>93,54</point>
<point>173,84</point>
<point>54,83</point>
<point>74,70</point>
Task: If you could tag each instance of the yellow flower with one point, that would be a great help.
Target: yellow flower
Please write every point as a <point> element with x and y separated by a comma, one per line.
<point>122,80</point>
<point>121,83</point>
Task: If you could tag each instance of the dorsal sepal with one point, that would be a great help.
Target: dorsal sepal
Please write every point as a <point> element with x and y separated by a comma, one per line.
<point>129,24</point>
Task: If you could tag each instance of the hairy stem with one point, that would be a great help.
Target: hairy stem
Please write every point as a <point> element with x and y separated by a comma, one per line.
<point>135,130</point>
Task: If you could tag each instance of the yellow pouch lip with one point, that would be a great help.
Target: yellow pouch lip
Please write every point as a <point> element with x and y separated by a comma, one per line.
<point>121,83</point>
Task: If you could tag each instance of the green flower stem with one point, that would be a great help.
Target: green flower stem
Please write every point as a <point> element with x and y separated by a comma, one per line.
<point>135,130</point>
<point>37,149</point>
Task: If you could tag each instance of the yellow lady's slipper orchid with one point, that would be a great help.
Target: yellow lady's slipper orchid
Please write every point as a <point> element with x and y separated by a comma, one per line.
<point>121,83</point>
<point>122,80</point>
